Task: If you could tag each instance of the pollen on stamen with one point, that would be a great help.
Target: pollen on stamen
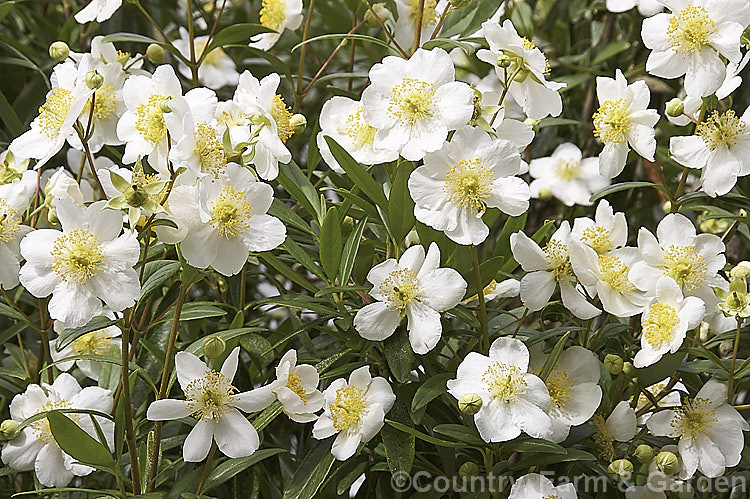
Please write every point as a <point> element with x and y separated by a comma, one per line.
<point>401,287</point>
<point>272,14</point>
<point>348,407</point>
<point>568,169</point>
<point>559,387</point>
<point>429,13</point>
<point>505,382</point>
<point>721,130</point>
<point>77,256</point>
<point>53,112</point>
<point>689,30</point>
<point>658,327</point>
<point>685,266</point>
<point>41,427</point>
<point>9,222</point>
<point>558,259</point>
<point>598,238</point>
<point>360,132</point>
<point>282,116</point>
<point>294,383</point>
<point>469,185</point>
<point>230,212</point>
<point>695,418</point>
<point>615,273</point>
<point>210,396</point>
<point>209,150</point>
<point>612,121</point>
<point>96,343</point>
<point>150,119</point>
<point>412,101</point>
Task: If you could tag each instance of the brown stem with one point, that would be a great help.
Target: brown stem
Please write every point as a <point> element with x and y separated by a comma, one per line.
<point>330,58</point>
<point>129,433</point>
<point>303,51</point>
<point>418,26</point>
<point>85,142</point>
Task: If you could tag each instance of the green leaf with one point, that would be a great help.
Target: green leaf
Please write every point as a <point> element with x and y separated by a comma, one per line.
<point>345,36</point>
<point>357,174</point>
<point>538,445</point>
<point>8,311</point>
<point>610,50</point>
<point>423,436</point>
<point>460,433</point>
<point>624,186</point>
<point>155,274</point>
<point>487,270</point>
<point>274,262</point>
<point>399,355</point>
<point>302,257</point>
<point>229,334</point>
<point>311,472</point>
<point>330,244</point>
<point>400,204</point>
<point>430,390</point>
<point>77,443</point>
<point>235,33</point>
<point>399,451</point>
<point>95,324</point>
<point>551,361</point>
<point>232,467</point>
<point>349,253</point>
<point>269,414</point>
<point>196,310</point>
<point>542,460</point>
<point>296,183</point>
<point>351,477</point>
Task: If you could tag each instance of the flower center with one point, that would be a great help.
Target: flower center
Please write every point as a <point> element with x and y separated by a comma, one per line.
<point>9,222</point>
<point>272,14</point>
<point>77,256</point>
<point>41,426</point>
<point>721,130</point>
<point>603,440</point>
<point>105,104</point>
<point>504,382</point>
<point>210,396</point>
<point>468,184</point>
<point>695,418</point>
<point>612,121</point>
<point>659,325</point>
<point>282,117</point>
<point>97,343</point>
<point>209,150</point>
<point>360,132</point>
<point>429,15</point>
<point>401,287</point>
<point>150,119</point>
<point>689,30</point>
<point>685,266</point>
<point>568,169</point>
<point>53,112</point>
<point>559,386</point>
<point>615,273</point>
<point>348,407</point>
<point>558,259</point>
<point>412,101</point>
<point>597,237</point>
<point>294,383</point>
<point>230,212</point>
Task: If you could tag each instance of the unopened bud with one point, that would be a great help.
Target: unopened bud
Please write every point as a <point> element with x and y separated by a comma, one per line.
<point>470,403</point>
<point>667,206</point>
<point>533,123</point>
<point>620,469</point>
<point>504,61</point>
<point>8,429</point>
<point>629,369</point>
<point>741,270</point>
<point>545,193</point>
<point>667,462</point>
<point>644,453</point>
<point>213,346</point>
<point>298,123</point>
<point>59,51</point>
<point>155,53</point>
<point>135,196</point>
<point>468,469</point>
<point>94,79</point>
<point>613,363</point>
<point>675,107</point>
<point>378,11</point>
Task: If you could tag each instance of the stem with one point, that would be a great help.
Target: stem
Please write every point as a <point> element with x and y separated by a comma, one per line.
<point>153,23</point>
<point>191,43</point>
<point>129,433</point>
<point>303,51</point>
<point>680,189</point>
<point>441,22</point>
<point>418,27</point>
<point>86,149</point>
<point>206,468</point>
<point>328,61</point>
<point>164,382</point>
<point>385,30</point>
<point>730,384</point>
<point>482,305</point>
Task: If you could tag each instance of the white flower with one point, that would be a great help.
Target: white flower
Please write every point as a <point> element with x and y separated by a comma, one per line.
<point>88,263</point>
<point>536,486</point>
<point>645,7</point>
<point>690,40</point>
<point>217,68</point>
<point>546,269</point>
<point>413,287</point>
<point>35,448</point>
<point>57,115</point>
<point>720,148</point>
<point>61,185</point>
<point>509,288</point>
<point>14,199</point>
<point>406,23</point>
<point>142,126</point>
<point>277,15</point>
<point>620,426</point>
<point>513,400</point>
<point>665,321</point>
<point>296,387</point>
<point>211,399</point>
<point>708,428</point>
<point>355,410</point>
<point>692,261</point>
<point>11,167</point>
<point>99,342</point>
<point>530,89</point>
<point>225,219</point>
<point>342,119</point>
<point>671,399</point>
<point>414,103</point>
<point>101,10</point>
<point>623,121</point>
<point>567,175</point>
<point>573,388</point>
<point>608,231</point>
<point>456,184</point>
<point>732,80</point>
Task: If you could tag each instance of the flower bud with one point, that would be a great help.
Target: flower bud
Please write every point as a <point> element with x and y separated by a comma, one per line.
<point>667,207</point>
<point>59,51</point>
<point>213,346</point>
<point>667,462</point>
<point>740,270</point>
<point>470,403</point>
<point>135,196</point>
<point>675,107</point>
<point>468,469</point>
<point>644,453</point>
<point>8,429</point>
<point>504,61</point>
<point>545,193</point>
<point>620,469</point>
<point>629,369</point>
<point>94,79</point>
<point>298,123</point>
<point>155,53</point>
<point>613,363</point>
<point>379,11</point>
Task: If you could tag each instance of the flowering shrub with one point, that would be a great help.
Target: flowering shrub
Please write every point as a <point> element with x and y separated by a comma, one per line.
<point>420,248</point>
